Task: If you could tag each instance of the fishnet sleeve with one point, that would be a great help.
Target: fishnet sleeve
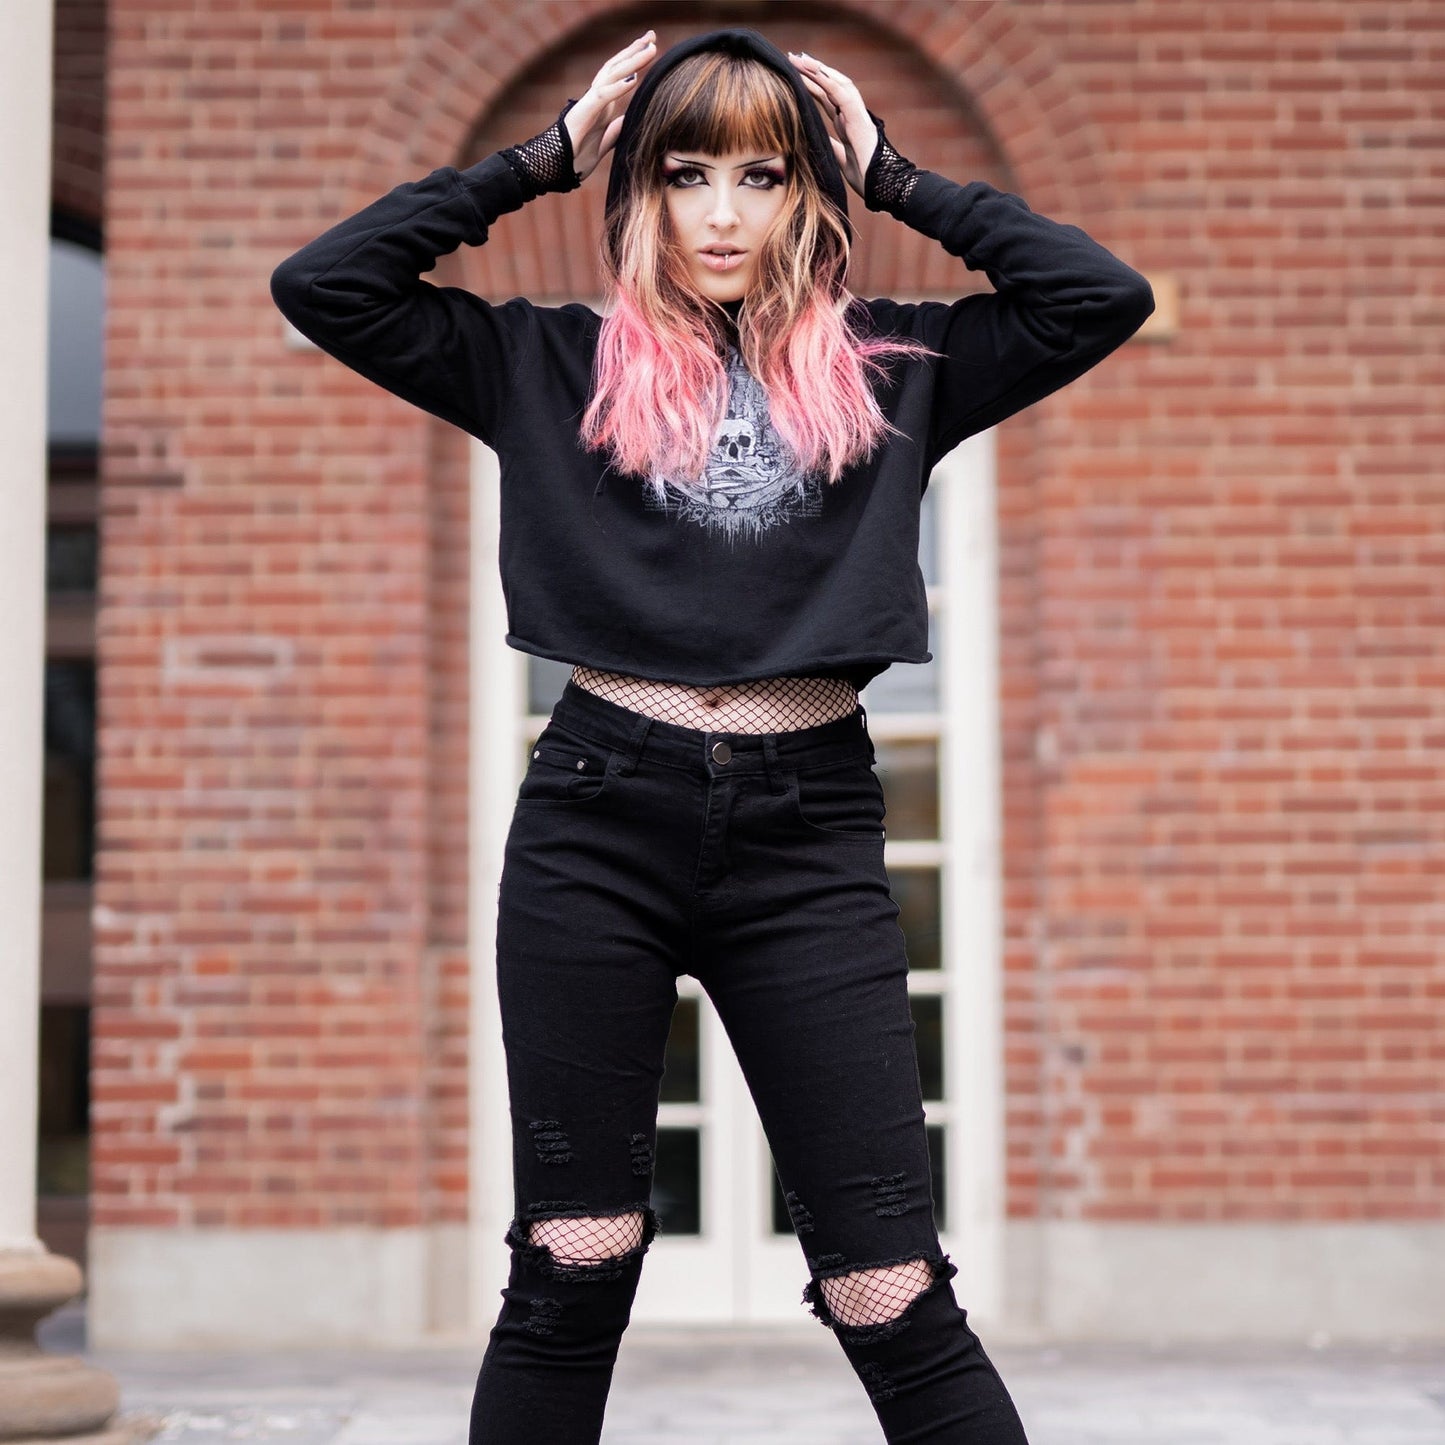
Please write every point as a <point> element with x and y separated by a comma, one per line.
<point>888,182</point>
<point>544,163</point>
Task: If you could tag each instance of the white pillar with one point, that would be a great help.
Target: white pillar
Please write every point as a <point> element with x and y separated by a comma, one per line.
<point>41,1395</point>
<point>25,91</point>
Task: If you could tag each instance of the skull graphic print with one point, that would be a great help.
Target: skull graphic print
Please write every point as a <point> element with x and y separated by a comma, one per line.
<point>752,481</point>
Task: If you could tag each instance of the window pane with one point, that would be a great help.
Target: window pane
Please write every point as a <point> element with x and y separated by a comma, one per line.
<point>681,1078</point>
<point>928,534</point>
<point>77,342</point>
<point>70,557</point>
<point>908,686</point>
<point>546,677</point>
<point>928,1034</point>
<point>69,768</point>
<point>908,768</point>
<point>905,687</point>
<point>677,1183</point>
<point>916,892</point>
<point>936,1156</point>
<point>63,1152</point>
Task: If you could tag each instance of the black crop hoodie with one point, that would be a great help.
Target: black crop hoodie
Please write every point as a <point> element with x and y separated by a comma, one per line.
<point>764,570</point>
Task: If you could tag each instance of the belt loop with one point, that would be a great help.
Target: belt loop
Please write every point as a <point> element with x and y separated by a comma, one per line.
<point>868,738</point>
<point>631,750</point>
<point>772,764</point>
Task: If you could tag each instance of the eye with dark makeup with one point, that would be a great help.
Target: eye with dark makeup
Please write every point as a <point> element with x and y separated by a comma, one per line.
<point>773,177</point>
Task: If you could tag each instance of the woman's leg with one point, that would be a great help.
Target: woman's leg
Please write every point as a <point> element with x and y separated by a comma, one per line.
<point>806,966</point>
<point>586,988</point>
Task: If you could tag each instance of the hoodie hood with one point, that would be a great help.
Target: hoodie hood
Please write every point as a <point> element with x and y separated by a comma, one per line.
<point>737,41</point>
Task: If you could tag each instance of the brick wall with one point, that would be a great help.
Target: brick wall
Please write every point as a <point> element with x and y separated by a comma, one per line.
<point>1240,655</point>
<point>1221,563</point>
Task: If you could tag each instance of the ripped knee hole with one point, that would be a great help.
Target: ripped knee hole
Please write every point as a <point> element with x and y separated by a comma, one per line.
<point>876,1295</point>
<point>588,1239</point>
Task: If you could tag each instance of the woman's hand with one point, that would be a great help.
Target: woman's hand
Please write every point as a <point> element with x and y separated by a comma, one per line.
<point>857,136</point>
<point>594,122</point>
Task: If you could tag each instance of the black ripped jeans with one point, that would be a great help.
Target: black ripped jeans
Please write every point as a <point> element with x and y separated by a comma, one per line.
<point>639,850</point>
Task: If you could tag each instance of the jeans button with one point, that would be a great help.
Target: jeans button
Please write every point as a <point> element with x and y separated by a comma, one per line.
<point>721,752</point>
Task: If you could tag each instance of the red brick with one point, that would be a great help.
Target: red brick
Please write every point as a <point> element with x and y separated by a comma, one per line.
<point>1221,587</point>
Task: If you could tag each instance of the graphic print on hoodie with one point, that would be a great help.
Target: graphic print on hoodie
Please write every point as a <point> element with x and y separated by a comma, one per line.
<point>752,481</point>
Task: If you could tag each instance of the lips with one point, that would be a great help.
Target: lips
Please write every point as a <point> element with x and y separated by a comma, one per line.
<point>722,260</point>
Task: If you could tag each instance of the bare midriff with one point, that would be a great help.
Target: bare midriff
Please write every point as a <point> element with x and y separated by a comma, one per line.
<point>763,705</point>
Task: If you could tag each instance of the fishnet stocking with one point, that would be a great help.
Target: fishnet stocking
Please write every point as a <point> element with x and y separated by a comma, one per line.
<point>588,1240</point>
<point>772,704</point>
<point>545,162</point>
<point>870,1296</point>
<point>889,179</point>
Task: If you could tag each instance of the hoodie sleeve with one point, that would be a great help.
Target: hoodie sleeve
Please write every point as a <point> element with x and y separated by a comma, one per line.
<point>357,292</point>
<point>1061,302</point>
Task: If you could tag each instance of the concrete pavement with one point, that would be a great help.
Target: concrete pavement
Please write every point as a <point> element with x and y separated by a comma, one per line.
<point>792,1386</point>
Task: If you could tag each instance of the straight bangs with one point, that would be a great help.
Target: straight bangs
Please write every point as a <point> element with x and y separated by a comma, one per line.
<point>727,105</point>
<point>660,379</point>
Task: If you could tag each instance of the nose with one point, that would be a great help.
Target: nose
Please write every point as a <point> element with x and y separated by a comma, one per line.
<point>723,212</point>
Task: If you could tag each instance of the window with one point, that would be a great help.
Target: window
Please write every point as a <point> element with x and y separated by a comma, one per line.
<point>72,566</point>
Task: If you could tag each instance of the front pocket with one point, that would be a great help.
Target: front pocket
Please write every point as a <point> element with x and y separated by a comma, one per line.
<point>843,800</point>
<point>565,768</point>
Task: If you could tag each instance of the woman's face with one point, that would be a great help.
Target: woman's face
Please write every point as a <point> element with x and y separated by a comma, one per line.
<point>722,203</point>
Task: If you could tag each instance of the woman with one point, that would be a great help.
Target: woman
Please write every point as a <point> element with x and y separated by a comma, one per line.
<point>709,505</point>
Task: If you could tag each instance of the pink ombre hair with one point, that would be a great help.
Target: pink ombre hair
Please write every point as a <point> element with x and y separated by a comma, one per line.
<point>659,380</point>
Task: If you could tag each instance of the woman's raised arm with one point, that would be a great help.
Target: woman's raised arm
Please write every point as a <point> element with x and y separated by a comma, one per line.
<point>1061,302</point>
<point>358,291</point>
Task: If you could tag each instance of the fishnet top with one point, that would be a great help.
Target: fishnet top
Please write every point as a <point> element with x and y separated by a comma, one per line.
<point>771,704</point>
<point>888,182</point>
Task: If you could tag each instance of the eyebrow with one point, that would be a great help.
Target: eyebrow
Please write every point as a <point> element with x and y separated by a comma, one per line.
<point>683,160</point>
